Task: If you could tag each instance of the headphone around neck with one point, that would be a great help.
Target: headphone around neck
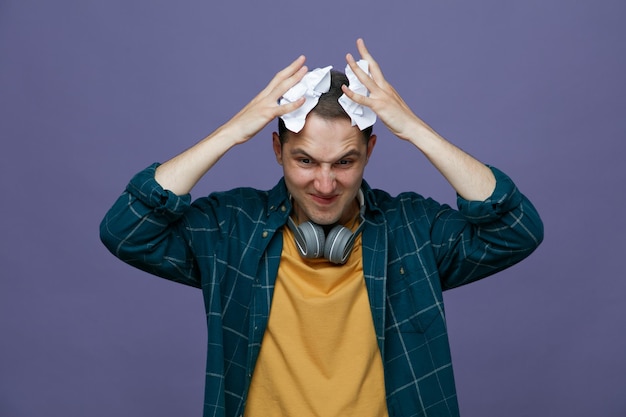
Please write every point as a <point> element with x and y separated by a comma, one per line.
<point>336,247</point>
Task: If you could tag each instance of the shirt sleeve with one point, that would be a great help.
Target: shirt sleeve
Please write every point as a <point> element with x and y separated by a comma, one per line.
<point>145,228</point>
<point>484,237</point>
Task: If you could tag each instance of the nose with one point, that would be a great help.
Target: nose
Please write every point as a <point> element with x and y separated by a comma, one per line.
<point>325,181</point>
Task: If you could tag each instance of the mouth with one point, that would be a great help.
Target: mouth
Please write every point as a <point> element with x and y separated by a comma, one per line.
<point>324,200</point>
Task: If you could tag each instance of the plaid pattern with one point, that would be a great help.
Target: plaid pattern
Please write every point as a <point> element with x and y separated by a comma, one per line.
<point>229,245</point>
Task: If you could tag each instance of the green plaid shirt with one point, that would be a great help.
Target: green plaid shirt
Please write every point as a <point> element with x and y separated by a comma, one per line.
<point>229,245</point>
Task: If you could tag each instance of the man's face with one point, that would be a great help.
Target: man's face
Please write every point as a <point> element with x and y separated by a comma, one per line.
<point>323,166</point>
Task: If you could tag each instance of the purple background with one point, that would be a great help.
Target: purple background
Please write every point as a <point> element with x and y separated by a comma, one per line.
<point>93,91</point>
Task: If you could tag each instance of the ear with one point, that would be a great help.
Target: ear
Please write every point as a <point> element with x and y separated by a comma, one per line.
<point>370,145</point>
<point>278,148</point>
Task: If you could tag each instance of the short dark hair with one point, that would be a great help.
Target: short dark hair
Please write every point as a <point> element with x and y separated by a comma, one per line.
<point>328,106</point>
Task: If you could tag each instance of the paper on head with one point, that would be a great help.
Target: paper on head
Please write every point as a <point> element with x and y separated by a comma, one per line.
<point>317,82</point>
<point>361,116</point>
<point>312,86</point>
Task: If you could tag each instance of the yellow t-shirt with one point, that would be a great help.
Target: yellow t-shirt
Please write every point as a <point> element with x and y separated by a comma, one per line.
<point>319,355</point>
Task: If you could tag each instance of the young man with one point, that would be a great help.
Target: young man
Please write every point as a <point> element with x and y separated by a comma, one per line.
<point>323,296</point>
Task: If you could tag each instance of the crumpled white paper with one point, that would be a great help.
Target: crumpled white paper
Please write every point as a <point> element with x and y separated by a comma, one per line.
<point>360,115</point>
<point>312,86</point>
<point>317,82</point>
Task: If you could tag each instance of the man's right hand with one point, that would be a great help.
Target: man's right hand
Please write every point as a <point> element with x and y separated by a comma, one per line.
<point>182,172</point>
<point>264,107</point>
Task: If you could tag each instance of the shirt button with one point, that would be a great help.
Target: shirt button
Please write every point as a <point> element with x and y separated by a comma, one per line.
<point>401,271</point>
<point>264,234</point>
<point>283,209</point>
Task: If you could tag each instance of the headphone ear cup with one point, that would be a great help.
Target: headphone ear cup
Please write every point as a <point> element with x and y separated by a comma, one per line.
<point>310,240</point>
<point>338,244</point>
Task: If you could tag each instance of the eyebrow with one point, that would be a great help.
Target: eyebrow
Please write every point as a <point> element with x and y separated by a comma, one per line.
<point>299,151</point>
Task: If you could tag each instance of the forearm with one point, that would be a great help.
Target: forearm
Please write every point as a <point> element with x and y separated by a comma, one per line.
<point>181,173</point>
<point>471,179</point>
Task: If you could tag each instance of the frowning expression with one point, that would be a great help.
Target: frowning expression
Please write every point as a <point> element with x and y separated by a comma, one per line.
<point>323,166</point>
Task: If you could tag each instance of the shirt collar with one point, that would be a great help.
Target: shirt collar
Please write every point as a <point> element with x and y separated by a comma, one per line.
<point>278,200</point>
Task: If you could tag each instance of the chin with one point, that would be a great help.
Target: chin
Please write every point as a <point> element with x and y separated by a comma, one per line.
<point>324,220</point>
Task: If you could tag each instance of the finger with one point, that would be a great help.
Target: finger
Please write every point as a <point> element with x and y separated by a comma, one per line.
<point>356,97</point>
<point>374,68</point>
<point>281,88</point>
<point>289,107</point>
<point>293,67</point>
<point>286,72</point>
<point>365,79</point>
<point>360,46</point>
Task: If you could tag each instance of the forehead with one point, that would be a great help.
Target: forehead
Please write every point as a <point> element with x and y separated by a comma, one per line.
<point>320,133</point>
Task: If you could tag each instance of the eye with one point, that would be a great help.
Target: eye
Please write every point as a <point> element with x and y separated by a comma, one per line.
<point>304,161</point>
<point>344,162</point>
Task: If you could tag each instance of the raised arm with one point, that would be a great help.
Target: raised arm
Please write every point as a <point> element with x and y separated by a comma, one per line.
<point>149,225</point>
<point>182,172</point>
<point>471,179</point>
